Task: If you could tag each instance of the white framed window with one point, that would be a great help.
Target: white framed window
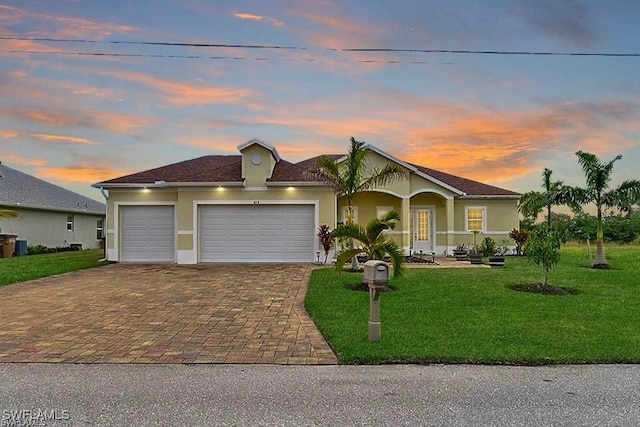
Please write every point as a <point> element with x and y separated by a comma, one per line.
<point>345,214</point>
<point>383,210</point>
<point>475,218</point>
<point>69,222</point>
<point>100,228</point>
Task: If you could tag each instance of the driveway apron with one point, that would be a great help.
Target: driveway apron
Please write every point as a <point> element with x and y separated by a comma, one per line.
<point>123,313</point>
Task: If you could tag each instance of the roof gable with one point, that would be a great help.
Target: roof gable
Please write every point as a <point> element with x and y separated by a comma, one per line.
<point>22,190</point>
<point>266,145</point>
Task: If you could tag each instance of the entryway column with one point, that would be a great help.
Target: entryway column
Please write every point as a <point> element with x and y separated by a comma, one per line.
<point>405,216</point>
<point>451,237</point>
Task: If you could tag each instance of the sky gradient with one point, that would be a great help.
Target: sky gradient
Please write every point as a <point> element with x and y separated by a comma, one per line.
<point>82,111</point>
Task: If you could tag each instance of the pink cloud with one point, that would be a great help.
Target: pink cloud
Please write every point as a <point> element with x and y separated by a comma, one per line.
<point>184,94</point>
<point>62,139</point>
<point>78,173</point>
<point>15,159</point>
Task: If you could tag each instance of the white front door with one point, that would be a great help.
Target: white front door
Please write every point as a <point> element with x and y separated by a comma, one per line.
<point>422,230</point>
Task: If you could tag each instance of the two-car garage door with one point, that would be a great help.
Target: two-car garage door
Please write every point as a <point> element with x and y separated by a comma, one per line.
<point>256,233</point>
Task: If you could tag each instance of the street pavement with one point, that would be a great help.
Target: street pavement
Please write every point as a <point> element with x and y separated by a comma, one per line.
<point>275,395</point>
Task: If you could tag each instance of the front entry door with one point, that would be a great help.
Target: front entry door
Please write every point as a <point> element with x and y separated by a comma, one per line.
<point>422,230</point>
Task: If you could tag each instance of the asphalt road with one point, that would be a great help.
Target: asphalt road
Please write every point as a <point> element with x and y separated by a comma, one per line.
<point>209,395</point>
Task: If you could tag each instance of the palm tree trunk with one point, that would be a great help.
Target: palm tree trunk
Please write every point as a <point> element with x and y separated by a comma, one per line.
<point>354,260</point>
<point>600,258</point>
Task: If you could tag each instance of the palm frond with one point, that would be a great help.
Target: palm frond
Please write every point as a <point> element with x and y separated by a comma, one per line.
<point>8,214</point>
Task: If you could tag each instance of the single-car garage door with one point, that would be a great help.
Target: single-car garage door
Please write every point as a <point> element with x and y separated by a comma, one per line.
<point>147,233</point>
<point>256,233</point>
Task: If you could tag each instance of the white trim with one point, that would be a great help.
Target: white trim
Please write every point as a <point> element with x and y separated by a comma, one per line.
<point>187,256</point>
<point>297,184</point>
<point>484,218</point>
<point>185,232</point>
<point>115,255</point>
<point>266,145</point>
<point>431,190</point>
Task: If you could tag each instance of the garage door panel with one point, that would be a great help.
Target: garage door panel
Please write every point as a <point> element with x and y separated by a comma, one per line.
<point>256,233</point>
<point>148,233</point>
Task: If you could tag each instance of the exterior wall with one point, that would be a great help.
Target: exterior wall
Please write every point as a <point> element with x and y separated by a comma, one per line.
<point>49,228</point>
<point>256,175</point>
<point>502,217</point>
<point>187,201</point>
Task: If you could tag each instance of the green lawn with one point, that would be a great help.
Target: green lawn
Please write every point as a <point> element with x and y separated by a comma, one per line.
<point>20,269</point>
<point>472,316</point>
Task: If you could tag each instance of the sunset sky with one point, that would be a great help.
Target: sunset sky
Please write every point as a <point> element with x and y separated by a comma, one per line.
<point>88,109</point>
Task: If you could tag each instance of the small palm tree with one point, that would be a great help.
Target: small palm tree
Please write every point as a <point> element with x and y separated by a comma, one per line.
<point>7,214</point>
<point>598,175</point>
<point>533,202</point>
<point>354,177</point>
<point>373,241</point>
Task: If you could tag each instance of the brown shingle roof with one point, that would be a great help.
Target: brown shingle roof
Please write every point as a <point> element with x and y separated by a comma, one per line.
<point>229,169</point>
<point>202,169</point>
<point>470,187</point>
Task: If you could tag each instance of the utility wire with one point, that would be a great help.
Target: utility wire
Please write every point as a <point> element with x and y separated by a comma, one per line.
<point>276,47</point>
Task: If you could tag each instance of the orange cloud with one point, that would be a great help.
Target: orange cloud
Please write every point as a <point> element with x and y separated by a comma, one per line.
<point>249,16</point>
<point>119,123</point>
<point>68,27</point>
<point>185,94</point>
<point>14,159</point>
<point>62,138</point>
<point>81,174</point>
<point>253,17</point>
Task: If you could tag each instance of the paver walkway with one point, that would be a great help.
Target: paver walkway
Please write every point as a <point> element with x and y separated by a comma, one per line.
<point>163,314</point>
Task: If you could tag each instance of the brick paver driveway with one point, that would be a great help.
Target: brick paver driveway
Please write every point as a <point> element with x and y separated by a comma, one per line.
<point>163,314</point>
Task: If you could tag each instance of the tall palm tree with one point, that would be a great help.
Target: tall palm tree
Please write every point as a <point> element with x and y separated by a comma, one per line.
<point>598,175</point>
<point>533,202</point>
<point>373,241</point>
<point>7,214</point>
<point>354,177</point>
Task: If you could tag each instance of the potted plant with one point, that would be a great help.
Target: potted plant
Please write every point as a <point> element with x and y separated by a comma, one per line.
<point>461,252</point>
<point>475,257</point>
<point>496,260</point>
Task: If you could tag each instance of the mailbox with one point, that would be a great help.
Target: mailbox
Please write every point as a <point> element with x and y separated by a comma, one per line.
<point>376,272</point>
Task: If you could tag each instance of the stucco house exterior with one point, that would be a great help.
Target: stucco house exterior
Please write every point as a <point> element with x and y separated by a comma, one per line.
<point>257,207</point>
<point>49,215</point>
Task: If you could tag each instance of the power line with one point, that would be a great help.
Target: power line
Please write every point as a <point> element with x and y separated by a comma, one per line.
<point>242,46</point>
<point>277,47</point>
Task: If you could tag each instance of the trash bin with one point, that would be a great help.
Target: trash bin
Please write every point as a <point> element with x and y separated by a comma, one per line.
<point>8,244</point>
<point>21,248</point>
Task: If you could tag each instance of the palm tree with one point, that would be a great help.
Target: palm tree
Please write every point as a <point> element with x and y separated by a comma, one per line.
<point>598,175</point>
<point>7,214</point>
<point>373,241</point>
<point>354,177</point>
<point>533,202</point>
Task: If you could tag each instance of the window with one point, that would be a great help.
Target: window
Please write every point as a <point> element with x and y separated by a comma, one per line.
<point>345,214</point>
<point>383,210</point>
<point>69,222</point>
<point>476,218</point>
<point>99,228</point>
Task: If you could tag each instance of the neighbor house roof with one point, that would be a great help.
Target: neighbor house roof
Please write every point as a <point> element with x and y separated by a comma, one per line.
<point>17,189</point>
<point>219,170</point>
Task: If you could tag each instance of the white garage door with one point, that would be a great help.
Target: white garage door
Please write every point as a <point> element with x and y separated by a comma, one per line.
<point>256,233</point>
<point>148,233</point>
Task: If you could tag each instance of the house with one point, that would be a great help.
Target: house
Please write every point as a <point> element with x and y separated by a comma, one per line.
<point>49,215</point>
<point>257,207</point>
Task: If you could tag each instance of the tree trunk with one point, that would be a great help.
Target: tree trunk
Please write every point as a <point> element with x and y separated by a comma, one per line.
<point>600,258</point>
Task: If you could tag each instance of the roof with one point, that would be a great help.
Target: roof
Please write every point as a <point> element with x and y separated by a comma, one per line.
<point>21,190</point>
<point>215,169</point>
<point>202,169</point>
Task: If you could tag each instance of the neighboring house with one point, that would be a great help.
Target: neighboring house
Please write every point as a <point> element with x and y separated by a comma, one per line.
<point>257,207</point>
<point>49,215</point>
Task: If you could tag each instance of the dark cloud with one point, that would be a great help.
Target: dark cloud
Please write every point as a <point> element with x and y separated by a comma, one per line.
<point>567,21</point>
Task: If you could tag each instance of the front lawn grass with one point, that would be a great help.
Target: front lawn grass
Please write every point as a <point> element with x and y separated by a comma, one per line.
<point>472,316</point>
<point>20,269</point>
